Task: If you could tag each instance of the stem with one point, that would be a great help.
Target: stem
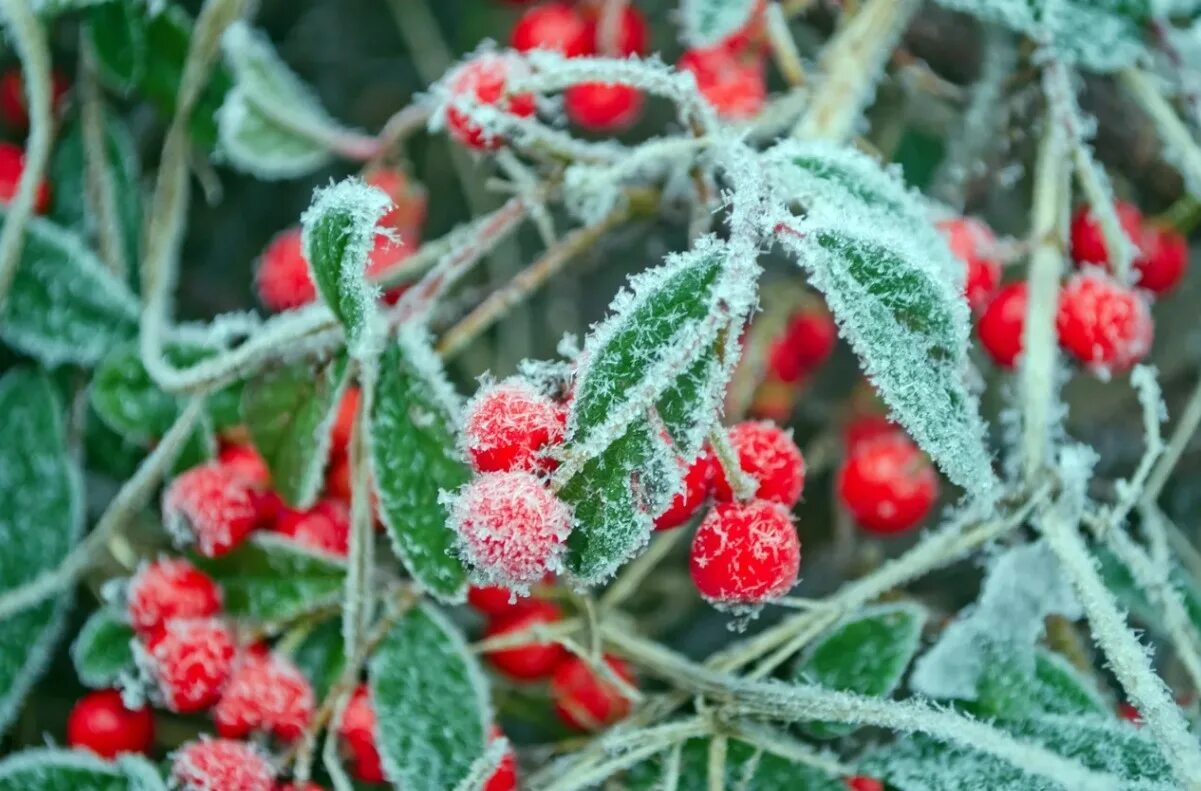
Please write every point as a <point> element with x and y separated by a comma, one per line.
<point>1186,427</point>
<point>718,748</point>
<point>742,484</point>
<point>1175,135</point>
<point>783,46</point>
<point>360,560</point>
<point>101,193</point>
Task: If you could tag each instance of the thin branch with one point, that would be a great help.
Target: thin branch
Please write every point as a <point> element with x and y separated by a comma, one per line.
<point>1179,145</point>
<point>101,191</point>
<point>1186,427</point>
<point>783,46</point>
<point>718,749</point>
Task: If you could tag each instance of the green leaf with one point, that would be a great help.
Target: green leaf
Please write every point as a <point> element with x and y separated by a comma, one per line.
<point>41,517</point>
<point>103,650</point>
<point>118,34</point>
<point>415,457</point>
<point>431,703</point>
<point>46,8</point>
<point>708,22</point>
<point>339,232</point>
<point>289,412</point>
<point>272,579</point>
<point>746,768</point>
<point>47,769</point>
<point>1008,690</point>
<point>63,305</point>
<point>320,656</point>
<point>867,654</point>
<point>1118,579</point>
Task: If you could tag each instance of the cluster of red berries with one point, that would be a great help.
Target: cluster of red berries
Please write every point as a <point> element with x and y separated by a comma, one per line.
<point>283,281</point>
<point>732,74</point>
<point>806,343</point>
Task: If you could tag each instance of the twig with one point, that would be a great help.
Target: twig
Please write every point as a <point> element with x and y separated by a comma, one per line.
<point>632,576</point>
<point>1179,145</point>
<point>718,748</point>
<point>783,46</point>
<point>101,192</point>
<point>779,743</point>
<point>360,560</point>
<point>582,771</point>
<point>1186,427</point>
<point>741,484</point>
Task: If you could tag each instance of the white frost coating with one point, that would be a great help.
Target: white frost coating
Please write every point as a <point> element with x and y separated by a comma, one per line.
<point>1024,585</point>
<point>41,764</point>
<point>415,341</point>
<point>707,22</point>
<point>593,191</point>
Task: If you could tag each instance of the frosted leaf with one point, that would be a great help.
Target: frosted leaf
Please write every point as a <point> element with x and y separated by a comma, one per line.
<point>1023,587</point>
<point>48,769</point>
<point>63,305</point>
<point>414,457</point>
<point>707,22</point>
<point>1128,593</point>
<point>431,703</point>
<point>290,412</point>
<point>746,768</point>
<point>339,232</point>
<point>102,651</point>
<point>867,653</point>
<point>272,579</point>
<point>1007,690</point>
<point>41,517</point>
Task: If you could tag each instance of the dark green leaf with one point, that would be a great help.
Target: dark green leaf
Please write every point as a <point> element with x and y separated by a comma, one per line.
<point>118,34</point>
<point>1008,690</point>
<point>746,768</point>
<point>47,769</point>
<point>320,656</point>
<point>103,650</point>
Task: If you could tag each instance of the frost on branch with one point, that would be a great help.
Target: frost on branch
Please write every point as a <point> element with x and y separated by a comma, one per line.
<point>50,769</point>
<point>707,22</point>
<point>896,292</point>
<point>746,768</point>
<point>41,516</point>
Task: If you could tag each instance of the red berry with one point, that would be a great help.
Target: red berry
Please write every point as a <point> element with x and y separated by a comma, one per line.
<point>496,601</point>
<point>532,661</point>
<point>866,428</point>
<point>310,786</point>
<point>1103,324</point>
<point>556,26</point>
<point>767,454</point>
<point>510,425</point>
<point>484,79</point>
<point>337,478</point>
<point>861,783</point>
<point>12,97</point>
<point>734,84</point>
<point>806,343</point>
<point>357,729</point>
<point>12,165</point>
<point>170,588</point>
<point>887,485</point>
<point>973,243</point>
<point>246,461</point>
<point>602,106</point>
<point>282,277</point>
<point>698,482</point>
<point>340,432</point>
<point>633,32</point>
<point>510,526</point>
<point>100,722</point>
<point>190,660</point>
<point>407,214</point>
<point>213,505</point>
<point>505,776</point>
<point>1088,241</point>
<point>585,700</point>
<point>1001,325</point>
<point>264,692</point>
<point>1162,261</point>
<point>744,553</point>
<point>212,764</point>
<point>324,527</point>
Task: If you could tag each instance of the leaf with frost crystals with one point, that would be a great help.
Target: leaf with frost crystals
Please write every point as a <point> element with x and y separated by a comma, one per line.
<point>103,650</point>
<point>867,653</point>
<point>1117,578</point>
<point>63,305</point>
<point>744,770</point>
<point>707,22</point>
<point>41,516</point>
<point>48,769</point>
<point>339,229</point>
<point>414,458</point>
<point>431,703</point>
<point>1007,690</point>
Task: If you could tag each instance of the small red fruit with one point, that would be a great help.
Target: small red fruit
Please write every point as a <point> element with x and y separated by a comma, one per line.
<point>633,32</point>
<point>1163,260</point>
<point>496,601</point>
<point>973,243</point>
<point>510,426</point>
<point>282,277</point>
<point>734,84</point>
<point>698,483</point>
<point>100,722</point>
<point>1088,241</point>
<point>887,485</point>
<point>1001,326</point>
<point>339,433</point>
<point>485,80</point>
<point>407,214</point>
<point>213,505</point>
<point>190,659</point>
<point>505,776</point>
<point>861,783</point>
<point>602,106</point>
<point>324,527</point>
<point>532,661</point>
<point>767,454</point>
<point>1103,324</point>
<point>510,526</point>
<point>167,589</point>
<point>246,461</point>
<point>12,97</point>
<point>586,701</point>
<point>745,553</point>
<point>807,342</point>
<point>211,764</point>
<point>337,478</point>
<point>357,729</point>
<point>555,26</point>
<point>264,692</point>
<point>12,165</point>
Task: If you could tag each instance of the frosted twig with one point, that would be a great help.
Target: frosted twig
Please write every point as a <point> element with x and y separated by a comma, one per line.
<point>716,769</point>
<point>781,744</point>
<point>360,560</point>
<point>27,35</point>
<point>783,46</point>
<point>632,575</point>
<point>329,753</point>
<point>742,484</point>
<point>583,770</point>
<point>1151,399</point>
<point>1186,427</point>
<point>531,635</point>
<point>101,191</point>
<point>592,657</point>
<point>484,766</point>
<point>1180,147</point>
<point>670,780</point>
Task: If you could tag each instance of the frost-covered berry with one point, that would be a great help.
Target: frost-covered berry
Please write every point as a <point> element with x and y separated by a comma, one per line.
<point>265,692</point>
<point>324,527</point>
<point>213,505</point>
<point>357,729</point>
<point>585,700</point>
<point>768,454</point>
<point>343,427</point>
<point>555,26</point>
<point>973,243</point>
<point>602,106</point>
<point>282,278</point>
<point>510,426</point>
<point>100,722</point>
<point>887,485</point>
<point>496,601</point>
<point>1001,325</point>
<point>12,165</point>
<point>1161,254</point>
<point>806,343</point>
<point>734,83</point>
<point>861,783</point>
<point>247,462</point>
<point>190,661</point>
<point>1088,240</point>
<point>484,79</point>
<point>220,765</point>
<point>534,660</point>
<point>505,776</point>
<point>744,553</point>
<point>12,97</point>
<point>170,588</point>
<point>511,528</point>
<point>633,32</point>
<point>698,483</point>
<point>1103,324</point>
